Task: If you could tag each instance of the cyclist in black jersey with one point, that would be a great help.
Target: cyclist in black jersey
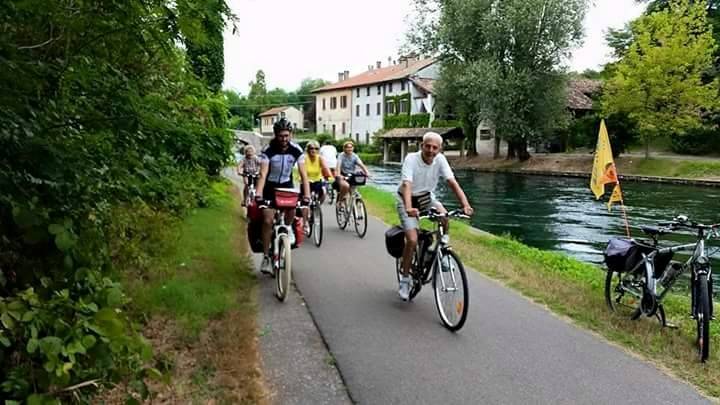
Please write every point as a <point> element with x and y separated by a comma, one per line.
<point>277,162</point>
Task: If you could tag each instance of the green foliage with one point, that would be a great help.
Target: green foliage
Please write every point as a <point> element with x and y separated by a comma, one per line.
<point>406,121</point>
<point>502,63</point>
<point>102,123</point>
<point>446,123</point>
<point>660,83</point>
<point>696,142</point>
<point>583,132</point>
<point>205,51</point>
<point>371,158</point>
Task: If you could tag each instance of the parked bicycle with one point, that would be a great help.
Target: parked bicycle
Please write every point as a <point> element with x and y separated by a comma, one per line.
<point>434,260</point>
<point>640,275</point>
<point>354,207</point>
<point>280,244</point>
<point>315,220</point>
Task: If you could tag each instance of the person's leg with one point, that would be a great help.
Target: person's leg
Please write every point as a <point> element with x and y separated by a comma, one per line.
<point>410,244</point>
<point>344,189</point>
<point>444,222</point>
<point>243,193</point>
<point>268,217</point>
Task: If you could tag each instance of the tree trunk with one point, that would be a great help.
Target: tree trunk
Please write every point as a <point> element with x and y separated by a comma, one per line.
<point>518,149</point>
<point>496,151</point>
<point>647,148</point>
<point>470,135</point>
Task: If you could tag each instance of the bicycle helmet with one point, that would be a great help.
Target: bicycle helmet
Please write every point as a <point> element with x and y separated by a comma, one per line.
<point>282,125</point>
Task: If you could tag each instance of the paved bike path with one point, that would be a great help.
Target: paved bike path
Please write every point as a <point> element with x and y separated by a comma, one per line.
<point>510,351</point>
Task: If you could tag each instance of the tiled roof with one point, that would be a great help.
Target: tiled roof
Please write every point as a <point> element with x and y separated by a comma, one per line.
<point>386,74</point>
<point>417,133</point>
<point>579,92</point>
<point>425,85</point>
<point>274,111</point>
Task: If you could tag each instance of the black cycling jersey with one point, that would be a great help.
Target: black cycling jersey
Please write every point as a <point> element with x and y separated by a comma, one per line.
<point>280,163</point>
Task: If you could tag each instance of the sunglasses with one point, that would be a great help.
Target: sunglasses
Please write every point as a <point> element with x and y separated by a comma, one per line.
<point>312,148</point>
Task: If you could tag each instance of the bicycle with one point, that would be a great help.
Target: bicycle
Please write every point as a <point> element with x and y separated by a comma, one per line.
<point>434,260</point>
<point>249,180</point>
<point>646,273</point>
<point>354,207</point>
<point>330,194</point>
<point>315,220</point>
<point>280,245</point>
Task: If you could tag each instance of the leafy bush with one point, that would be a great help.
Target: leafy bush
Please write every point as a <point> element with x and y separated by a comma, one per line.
<point>102,127</point>
<point>371,158</point>
<point>699,142</point>
<point>406,121</point>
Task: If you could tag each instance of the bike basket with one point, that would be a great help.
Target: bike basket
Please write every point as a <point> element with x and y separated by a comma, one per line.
<point>285,199</point>
<point>358,180</point>
<point>623,255</point>
<point>395,241</point>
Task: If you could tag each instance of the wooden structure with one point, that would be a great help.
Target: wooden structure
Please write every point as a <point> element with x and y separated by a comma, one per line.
<point>406,135</point>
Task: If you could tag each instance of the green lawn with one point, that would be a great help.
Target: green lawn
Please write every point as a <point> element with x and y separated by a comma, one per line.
<point>575,289</point>
<point>670,168</point>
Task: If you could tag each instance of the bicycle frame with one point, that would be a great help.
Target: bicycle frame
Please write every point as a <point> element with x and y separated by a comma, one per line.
<point>279,226</point>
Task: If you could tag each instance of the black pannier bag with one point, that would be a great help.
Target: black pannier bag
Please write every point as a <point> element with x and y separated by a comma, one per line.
<point>254,233</point>
<point>395,241</point>
<point>623,255</point>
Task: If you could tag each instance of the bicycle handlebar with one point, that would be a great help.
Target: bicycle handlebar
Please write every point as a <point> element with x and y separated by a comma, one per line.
<point>434,214</point>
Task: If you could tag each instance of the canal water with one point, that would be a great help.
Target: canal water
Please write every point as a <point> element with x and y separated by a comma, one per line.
<point>561,213</point>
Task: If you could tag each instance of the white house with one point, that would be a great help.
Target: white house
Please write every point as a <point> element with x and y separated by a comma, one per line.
<point>403,87</point>
<point>269,117</point>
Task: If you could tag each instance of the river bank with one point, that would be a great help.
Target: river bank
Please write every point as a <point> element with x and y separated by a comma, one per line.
<point>661,169</point>
<point>574,290</point>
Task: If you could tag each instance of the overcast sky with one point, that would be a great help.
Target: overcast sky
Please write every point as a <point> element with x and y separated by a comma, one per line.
<point>294,39</point>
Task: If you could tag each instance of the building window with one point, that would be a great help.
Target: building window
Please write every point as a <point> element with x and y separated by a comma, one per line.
<point>333,103</point>
<point>343,102</point>
<point>282,114</point>
<point>367,137</point>
<point>323,103</point>
<point>357,92</point>
<point>402,86</point>
<point>390,87</point>
<point>324,127</point>
<point>357,110</point>
<point>367,109</point>
<point>343,128</point>
<point>357,138</point>
<point>333,130</point>
<point>389,108</point>
<point>403,106</point>
<point>379,108</point>
<point>379,89</point>
<point>367,93</point>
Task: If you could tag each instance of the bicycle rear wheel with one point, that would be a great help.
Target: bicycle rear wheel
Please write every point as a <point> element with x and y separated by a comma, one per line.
<point>284,268</point>
<point>452,297</point>
<point>702,316</point>
<point>623,293</point>
<point>360,217</point>
<point>316,228</point>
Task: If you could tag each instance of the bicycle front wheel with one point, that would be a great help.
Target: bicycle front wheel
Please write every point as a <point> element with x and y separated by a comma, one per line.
<point>342,218</point>
<point>283,269</point>
<point>451,290</point>
<point>317,225</point>
<point>702,317</point>
<point>360,217</point>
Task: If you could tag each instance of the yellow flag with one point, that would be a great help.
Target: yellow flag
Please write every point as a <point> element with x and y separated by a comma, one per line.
<point>616,196</point>
<point>603,171</point>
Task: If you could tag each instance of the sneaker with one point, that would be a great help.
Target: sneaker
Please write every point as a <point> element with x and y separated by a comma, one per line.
<point>404,290</point>
<point>265,267</point>
<point>445,264</point>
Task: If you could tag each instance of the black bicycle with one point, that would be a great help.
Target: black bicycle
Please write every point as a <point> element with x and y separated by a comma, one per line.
<point>434,260</point>
<point>315,220</point>
<point>640,275</point>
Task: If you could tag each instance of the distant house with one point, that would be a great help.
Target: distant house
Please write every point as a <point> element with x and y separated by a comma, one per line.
<point>269,117</point>
<point>356,106</point>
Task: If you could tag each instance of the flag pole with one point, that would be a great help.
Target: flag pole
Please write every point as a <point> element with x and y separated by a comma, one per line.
<point>622,206</point>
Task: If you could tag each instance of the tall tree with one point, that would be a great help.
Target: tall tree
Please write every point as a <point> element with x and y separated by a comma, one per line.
<point>502,62</point>
<point>205,48</point>
<point>258,87</point>
<point>661,82</point>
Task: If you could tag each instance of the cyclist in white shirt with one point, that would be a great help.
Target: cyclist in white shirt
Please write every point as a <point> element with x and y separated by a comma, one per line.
<point>329,154</point>
<point>421,172</point>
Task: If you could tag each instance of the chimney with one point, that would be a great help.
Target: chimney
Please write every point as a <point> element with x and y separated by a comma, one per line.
<point>346,74</point>
<point>378,64</point>
<point>340,76</point>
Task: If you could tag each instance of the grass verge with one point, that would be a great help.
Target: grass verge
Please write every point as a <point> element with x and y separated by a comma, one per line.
<point>575,289</point>
<point>199,308</point>
<point>690,169</point>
